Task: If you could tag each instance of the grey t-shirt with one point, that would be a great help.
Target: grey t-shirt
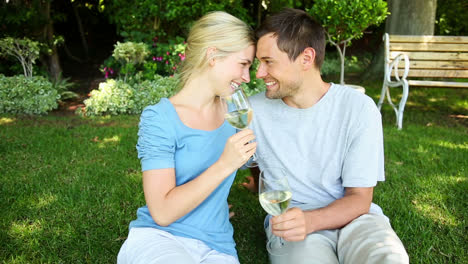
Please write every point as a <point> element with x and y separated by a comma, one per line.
<point>336,143</point>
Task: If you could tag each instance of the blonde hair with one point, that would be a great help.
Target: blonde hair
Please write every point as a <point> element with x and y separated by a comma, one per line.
<point>219,30</point>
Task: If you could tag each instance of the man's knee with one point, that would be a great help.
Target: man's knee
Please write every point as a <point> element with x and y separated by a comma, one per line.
<point>370,239</point>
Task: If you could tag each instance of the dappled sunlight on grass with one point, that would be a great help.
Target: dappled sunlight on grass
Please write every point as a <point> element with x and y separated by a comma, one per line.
<point>6,120</point>
<point>436,203</point>
<point>437,213</point>
<point>105,142</point>
<point>45,201</point>
<point>111,139</point>
<point>25,228</point>
<point>452,145</point>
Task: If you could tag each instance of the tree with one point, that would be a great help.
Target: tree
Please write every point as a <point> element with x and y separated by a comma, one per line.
<point>347,20</point>
<point>32,19</point>
<point>415,17</point>
<point>24,50</point>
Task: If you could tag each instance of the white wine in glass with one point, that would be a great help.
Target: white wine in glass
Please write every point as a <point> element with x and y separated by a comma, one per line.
<point>274,196</point>
<point>239,119</point>
<point>238,113</point>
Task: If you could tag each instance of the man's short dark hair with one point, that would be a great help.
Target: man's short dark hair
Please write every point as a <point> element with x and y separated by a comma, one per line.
<point>296,30</point>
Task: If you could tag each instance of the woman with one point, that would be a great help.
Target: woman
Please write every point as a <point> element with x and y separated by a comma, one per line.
<point>189,154</point>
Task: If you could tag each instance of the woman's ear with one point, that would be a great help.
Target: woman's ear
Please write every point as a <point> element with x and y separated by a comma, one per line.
<point>308,58</point>
<point>210,55</point>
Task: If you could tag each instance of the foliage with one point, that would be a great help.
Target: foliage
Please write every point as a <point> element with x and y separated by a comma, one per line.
<point>63,86</point>
<point>26,51</point>
<point>255,85</point>
<point>115,97</point>
<point>347,20</point>
<point>118,97</point>
<point>141,20</point>
<point>450,21</point>
<point>22,95</point>
<point>130,54</point>
<point>21,18</point>
<point>166,57</point>
<point>331,64</point>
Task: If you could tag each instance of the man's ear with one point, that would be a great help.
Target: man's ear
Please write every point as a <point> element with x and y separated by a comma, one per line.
<point>210,55</point>
<point>308,58</point>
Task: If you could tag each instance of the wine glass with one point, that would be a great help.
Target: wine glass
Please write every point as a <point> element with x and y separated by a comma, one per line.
<point>239,113</point>
<point>275,196</point>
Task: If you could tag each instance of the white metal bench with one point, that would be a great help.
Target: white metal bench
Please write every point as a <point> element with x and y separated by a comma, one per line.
<point>433,58</point>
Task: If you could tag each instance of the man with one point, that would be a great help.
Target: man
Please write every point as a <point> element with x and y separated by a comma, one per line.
<point>329,140</point>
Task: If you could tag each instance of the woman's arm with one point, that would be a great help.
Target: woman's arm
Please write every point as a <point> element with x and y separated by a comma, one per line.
<point>168,202</point>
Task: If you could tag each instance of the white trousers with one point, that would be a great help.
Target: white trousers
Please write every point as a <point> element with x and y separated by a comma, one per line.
<point>367,239</point>
<point>154,246</point>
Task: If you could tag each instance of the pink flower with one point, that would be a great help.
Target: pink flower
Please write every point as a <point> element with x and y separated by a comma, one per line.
<point>182,57</point>
<point>154,58</point>
<point>174,67</point>
<point>167,62</point>
<point>167,52</point>
<point>107,75</point>
<point>111,70</point>
<point>105,68</point>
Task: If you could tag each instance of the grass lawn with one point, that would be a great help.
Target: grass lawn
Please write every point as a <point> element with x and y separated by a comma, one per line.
<point>69,186</point>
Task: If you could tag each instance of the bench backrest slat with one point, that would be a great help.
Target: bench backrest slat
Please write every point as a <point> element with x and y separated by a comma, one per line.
<point>426,39</point>
<point>434,65</point>
<point>436,73</point>
<point>444,47</point>
<point>438,56</point>
<point>431,56</point>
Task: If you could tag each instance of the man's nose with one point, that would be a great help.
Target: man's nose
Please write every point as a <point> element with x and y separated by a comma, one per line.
<point>261,72</point>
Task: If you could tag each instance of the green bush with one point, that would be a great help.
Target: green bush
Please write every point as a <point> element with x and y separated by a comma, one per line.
<point>331,65</point>
<point>116,97</point>
<point>130,54</point>
<point>21,95</point>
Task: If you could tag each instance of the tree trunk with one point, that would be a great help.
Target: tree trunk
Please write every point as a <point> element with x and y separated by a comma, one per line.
<point>415,17</point>
<point>53,61</point>
<point>81,30</point>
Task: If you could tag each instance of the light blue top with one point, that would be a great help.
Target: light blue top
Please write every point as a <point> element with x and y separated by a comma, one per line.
<point>165,142</point>
<point>336,143</point>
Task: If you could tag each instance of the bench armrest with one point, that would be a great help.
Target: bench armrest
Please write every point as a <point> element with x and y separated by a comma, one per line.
<point>394,66</point>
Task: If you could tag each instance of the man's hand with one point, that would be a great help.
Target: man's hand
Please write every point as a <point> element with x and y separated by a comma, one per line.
<point>291,225</point>
<point>252,184</point>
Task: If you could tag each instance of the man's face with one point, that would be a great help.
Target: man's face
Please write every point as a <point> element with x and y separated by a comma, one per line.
<point>282,77</point>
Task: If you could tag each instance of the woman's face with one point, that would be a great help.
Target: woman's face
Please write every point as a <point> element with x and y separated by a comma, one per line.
<point>233,70</point>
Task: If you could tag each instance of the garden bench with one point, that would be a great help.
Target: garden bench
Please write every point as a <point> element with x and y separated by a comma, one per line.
<point>428,60</point>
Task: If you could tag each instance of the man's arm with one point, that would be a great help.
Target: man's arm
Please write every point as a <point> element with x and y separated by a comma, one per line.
<point>295,224</point>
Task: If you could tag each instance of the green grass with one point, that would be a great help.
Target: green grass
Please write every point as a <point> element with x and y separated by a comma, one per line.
<point>69,186</point>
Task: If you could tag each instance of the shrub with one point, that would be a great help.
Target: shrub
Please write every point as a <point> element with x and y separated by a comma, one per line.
<point>26,51</point>
<point>332,63</point>
<point>21,95</point>
<point>130,54</point>
<point>346,20</point>
<point>164,59</point>
<point>116,97</point>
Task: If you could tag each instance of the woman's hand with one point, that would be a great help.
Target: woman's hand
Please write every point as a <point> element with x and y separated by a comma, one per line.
<point>238,150</point>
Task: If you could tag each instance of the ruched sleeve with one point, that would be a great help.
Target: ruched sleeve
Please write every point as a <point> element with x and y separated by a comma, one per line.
<point>156,139</point>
